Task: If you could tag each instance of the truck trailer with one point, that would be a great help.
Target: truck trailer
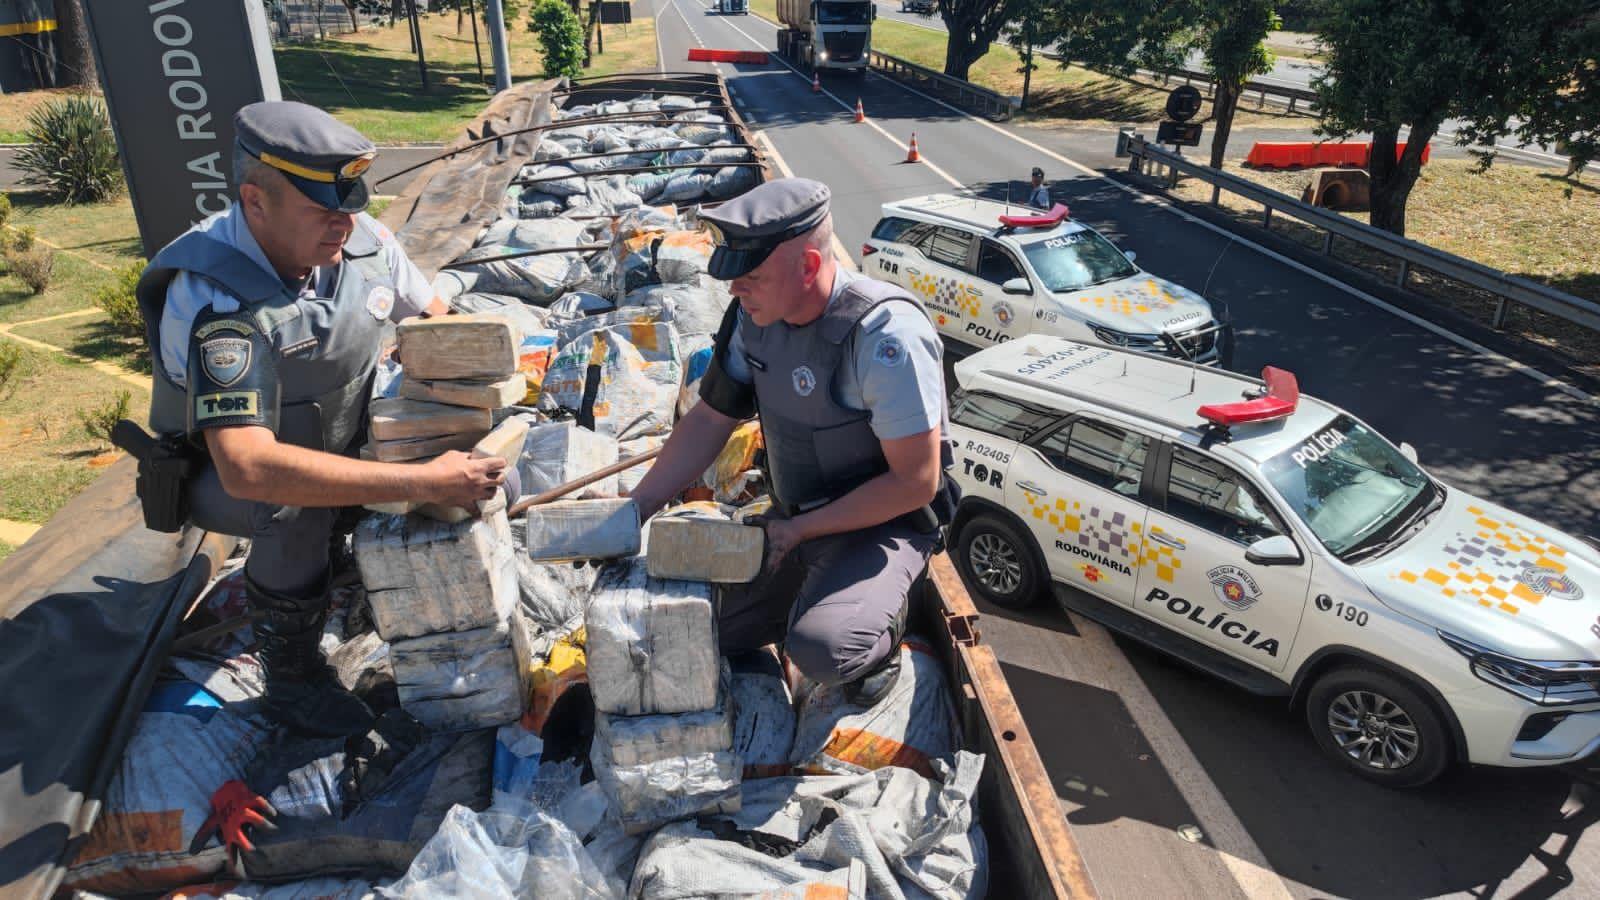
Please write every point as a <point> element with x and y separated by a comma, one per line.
<point>827,34</point>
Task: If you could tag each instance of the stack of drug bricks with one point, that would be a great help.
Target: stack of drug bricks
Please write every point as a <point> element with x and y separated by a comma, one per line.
<point>445,596</point>
<point>665,720</point>
<point>460,374</point>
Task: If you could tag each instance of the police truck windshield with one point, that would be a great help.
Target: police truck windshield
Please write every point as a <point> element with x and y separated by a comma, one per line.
<point>843,13</point>
<point>1350,486</point>
<point>1072,262</point>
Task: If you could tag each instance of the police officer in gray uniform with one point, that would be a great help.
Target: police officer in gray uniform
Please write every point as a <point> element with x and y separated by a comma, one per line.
<point>266,323</point>
<point>846,375</point>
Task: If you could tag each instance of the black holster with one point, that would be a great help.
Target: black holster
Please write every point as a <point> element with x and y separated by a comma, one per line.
<point>165,465</point>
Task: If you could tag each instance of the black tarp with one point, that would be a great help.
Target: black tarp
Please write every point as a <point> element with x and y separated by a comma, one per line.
<point>87,609</point>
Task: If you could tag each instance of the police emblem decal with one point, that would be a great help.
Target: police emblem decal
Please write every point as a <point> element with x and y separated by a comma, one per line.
<point>380,303</point>
<point>1236,588</point>
<point>805,381</point>
<point>225,359</point>
<point>1549,583</point>
<point>889,352</point>
<point>1003,314</point>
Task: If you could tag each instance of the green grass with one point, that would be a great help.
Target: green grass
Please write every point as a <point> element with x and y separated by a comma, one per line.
<point>92,336</point>
<point>370,79</point>
<point>105,232</point>
<point>47,455</point>
<point>1508,218</point>
<point>5,550</point>
<point>15,108</point>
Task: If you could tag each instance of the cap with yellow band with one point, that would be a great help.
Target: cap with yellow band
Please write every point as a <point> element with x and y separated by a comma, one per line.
<point>322,157</point>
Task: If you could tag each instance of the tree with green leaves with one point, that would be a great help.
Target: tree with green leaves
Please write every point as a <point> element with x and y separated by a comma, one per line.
<point>560,38</point>
<point>1030,34</point>
<point>972,26</point>
<point>1153,34</point>
<point>1491,67</point>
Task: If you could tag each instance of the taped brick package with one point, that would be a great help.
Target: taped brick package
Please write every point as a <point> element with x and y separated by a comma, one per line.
<point>637,740</point>
<point>652,643</point>
<point>554,453</point>
<point>581,529</point>
<point>913,725</point>
<point>459,681</point>
<point>423,576</point>
<point>479,345</point>
<point>401,419</point>
<point>485,393</point>
<point>648,795</point>
<point>639,378</point>
<point>697,542</point>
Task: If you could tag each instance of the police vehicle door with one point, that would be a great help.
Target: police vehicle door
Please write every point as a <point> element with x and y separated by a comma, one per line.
<point>1078,488</point>
<point>1002,315</point>
<point>942,279</point>
<point>987,430</point>
<point>1193,576</point>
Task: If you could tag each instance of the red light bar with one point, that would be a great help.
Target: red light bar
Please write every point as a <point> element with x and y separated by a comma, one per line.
<point>1283,395</point>
<point>867,250</point>
<point>1042,220</point>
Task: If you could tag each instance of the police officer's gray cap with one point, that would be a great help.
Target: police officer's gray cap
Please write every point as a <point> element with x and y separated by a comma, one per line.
<point>749,227</point>
<point>319,154</point>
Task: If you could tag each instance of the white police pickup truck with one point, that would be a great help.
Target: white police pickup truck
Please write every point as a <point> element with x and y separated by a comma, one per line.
<point>989,272</point>
<point>1280,543</point>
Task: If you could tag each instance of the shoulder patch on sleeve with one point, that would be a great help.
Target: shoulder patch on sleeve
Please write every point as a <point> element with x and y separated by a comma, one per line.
<point>889,351</point>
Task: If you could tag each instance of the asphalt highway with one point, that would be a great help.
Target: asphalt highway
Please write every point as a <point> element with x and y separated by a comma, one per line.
<point>1177,785</point>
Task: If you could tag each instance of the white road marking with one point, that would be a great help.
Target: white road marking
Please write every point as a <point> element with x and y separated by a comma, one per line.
<point>1538,375</point>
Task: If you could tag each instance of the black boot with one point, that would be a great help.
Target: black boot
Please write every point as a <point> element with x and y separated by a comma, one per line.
<point>303,692</point>
<point>872,687</point>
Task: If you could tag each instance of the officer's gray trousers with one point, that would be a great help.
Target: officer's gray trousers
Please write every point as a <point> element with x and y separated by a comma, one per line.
<point>834,597</point>
<point>288,545</point>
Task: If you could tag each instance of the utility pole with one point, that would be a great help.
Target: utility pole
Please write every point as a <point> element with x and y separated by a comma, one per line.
<point>416,38</point>
<point>472,7</point>
<point>494,19</point>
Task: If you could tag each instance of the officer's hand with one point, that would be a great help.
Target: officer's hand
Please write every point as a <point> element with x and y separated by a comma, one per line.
<point>783,535</point>
<point>459,480</point>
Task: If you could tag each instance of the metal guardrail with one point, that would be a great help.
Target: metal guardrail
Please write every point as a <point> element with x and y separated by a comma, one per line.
<point>1509,289</point>
<point>990,103</point>
<point>1290,96</point>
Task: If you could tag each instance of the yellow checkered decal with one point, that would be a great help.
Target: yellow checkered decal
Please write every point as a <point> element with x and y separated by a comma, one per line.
<point>1165,559</point>
<point>1142,297</point>
<point>1500,566</point>
<point>946,292</point>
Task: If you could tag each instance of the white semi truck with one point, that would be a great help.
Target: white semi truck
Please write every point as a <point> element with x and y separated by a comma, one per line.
<point>826,34</point>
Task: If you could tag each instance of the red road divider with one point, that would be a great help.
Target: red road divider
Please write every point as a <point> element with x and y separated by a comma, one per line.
<point>1305,154</point>
<point>706,54</point>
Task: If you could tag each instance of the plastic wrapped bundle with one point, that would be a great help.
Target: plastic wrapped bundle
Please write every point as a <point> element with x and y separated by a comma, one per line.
<point>533,279</point>
<point>697,308</point>
<point>731,181</point>
<point>549,149</point>
<point>424,576</point>
<point>652,643</point>
<point>684,859</point>
<point>569,530</point>
<point>465,680</point>
<point>512,849</point>
<point>639,379</point>
<point>697,351</point>
<point>557,452</point>
<point>570,329</point>
<point>533,360</point>
<point>552,593</point>
<point>911,726</point>
<point>688,186</point>
<point>649,795</point>
<point>556,180</point>
<point>639,740</point>
<point>629,479</point>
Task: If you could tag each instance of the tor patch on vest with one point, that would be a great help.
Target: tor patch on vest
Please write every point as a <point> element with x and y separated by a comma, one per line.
<point>889,352</point>
<point>225,359</point>
<point>805,381</point>
<point>380,303</point>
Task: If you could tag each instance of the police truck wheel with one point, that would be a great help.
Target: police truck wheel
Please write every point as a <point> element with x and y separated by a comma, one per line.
<point>1378,726</point>
<point>998,562</point>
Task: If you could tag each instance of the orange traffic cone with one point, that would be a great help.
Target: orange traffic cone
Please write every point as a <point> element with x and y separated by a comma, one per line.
<point>816,84</point>
<point>861,114</point>
<point>912,155</point>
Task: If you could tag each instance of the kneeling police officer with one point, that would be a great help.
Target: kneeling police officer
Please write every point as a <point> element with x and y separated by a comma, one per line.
<point>267,322</point>
<point>846,374</point>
